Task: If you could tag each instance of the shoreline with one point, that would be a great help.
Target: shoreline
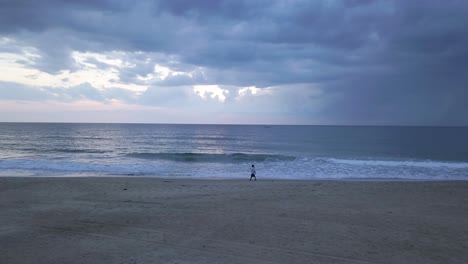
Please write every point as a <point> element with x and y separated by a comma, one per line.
<point>162,220</point>
<point>236,178</point>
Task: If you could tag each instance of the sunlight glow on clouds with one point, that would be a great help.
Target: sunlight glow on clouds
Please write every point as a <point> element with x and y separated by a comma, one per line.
<point>83,58</point>
<point>101,70</point>
<point>215,91</point>
<point>162,72</point>
<point>14,67</point>
<point>252,90</point>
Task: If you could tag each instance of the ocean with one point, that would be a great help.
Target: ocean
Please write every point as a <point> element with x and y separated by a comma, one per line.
<point>228,151</point>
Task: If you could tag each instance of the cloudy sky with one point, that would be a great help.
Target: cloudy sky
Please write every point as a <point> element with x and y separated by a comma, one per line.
<point>365,62</point>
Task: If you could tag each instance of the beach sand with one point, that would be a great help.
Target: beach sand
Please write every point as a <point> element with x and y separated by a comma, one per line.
<point>149,220</point>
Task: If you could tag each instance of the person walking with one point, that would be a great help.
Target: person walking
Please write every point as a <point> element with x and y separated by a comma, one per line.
<point>253,173</point>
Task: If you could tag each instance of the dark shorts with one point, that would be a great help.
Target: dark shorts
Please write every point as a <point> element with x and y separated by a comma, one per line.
<point>252,175</point>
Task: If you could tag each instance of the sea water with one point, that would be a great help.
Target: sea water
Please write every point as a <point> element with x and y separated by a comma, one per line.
<point>228,151</point>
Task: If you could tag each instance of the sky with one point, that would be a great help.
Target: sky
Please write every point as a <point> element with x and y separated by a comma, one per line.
<point>330,62</point>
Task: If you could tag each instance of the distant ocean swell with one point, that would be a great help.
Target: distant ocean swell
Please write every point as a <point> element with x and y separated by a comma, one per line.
<point>78,150</point>
<point>201,157</point>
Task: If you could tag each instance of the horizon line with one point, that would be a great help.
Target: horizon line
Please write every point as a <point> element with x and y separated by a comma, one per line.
<point>228,124</point>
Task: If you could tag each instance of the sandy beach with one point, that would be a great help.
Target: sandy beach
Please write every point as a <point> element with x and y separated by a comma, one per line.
<point>149,220</point>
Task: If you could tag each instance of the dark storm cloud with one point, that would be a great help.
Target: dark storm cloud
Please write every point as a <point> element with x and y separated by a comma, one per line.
<point>398,62</point>
<point>41,15</point>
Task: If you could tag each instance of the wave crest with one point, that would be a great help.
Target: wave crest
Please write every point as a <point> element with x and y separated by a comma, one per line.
<point>203,157</point>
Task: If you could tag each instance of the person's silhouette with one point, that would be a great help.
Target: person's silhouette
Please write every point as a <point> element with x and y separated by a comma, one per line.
<point>253,173</point>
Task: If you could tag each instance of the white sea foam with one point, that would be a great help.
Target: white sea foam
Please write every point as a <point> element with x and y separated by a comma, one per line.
<point>302,168</point>
<point>408,163</point>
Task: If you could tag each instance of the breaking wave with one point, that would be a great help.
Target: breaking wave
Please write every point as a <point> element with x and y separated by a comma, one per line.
<point>196,165</point>
<point>202,157</point>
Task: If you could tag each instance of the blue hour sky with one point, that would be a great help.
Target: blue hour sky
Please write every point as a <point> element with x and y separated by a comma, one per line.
<point>352,62</point>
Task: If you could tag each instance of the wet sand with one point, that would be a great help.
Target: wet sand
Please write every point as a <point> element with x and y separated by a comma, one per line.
<point>147,220</point>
